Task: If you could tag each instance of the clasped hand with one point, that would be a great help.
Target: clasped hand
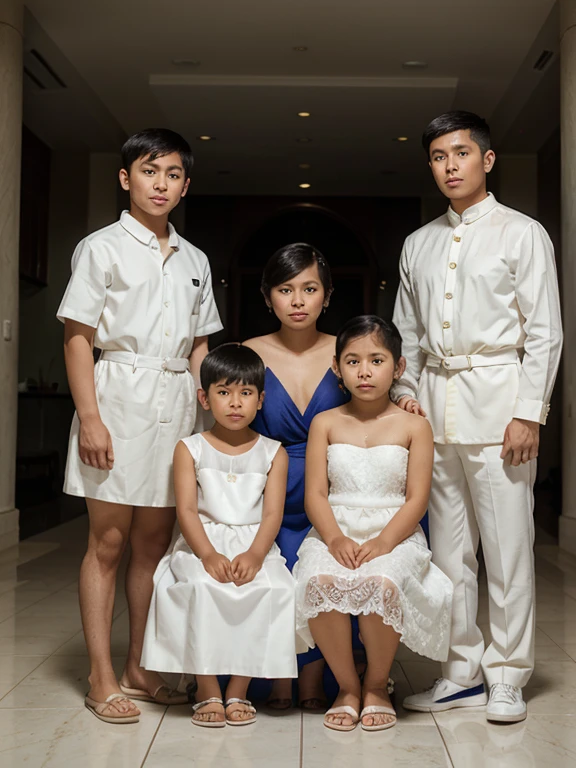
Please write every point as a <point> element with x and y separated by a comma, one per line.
<point>352,555</point>
<point>239,571</point>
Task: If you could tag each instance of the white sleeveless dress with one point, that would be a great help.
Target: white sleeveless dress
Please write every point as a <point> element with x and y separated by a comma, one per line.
<point>367,488</point>
<point>198,625</point>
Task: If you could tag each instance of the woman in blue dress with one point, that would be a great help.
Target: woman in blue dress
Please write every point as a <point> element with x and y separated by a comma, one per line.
<point>300,383</point>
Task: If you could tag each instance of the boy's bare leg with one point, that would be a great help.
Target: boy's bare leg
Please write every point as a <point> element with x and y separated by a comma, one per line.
<point>381,643</point>
<point>237,689</point>
<point>149,539</point>
<point>209,688</point>
<point>109,534</point>
<point>310,688</point>
<point>310,685</point>
<point>332,633</point>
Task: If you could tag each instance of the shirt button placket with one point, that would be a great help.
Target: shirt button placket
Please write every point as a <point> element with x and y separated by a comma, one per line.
<point>449,287</point>
<point>165,309</point>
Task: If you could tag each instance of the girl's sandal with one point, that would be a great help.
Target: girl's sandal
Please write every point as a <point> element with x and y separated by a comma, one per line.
<point>207,723</point>
<point>377,710</point>
<point>102,709</point>
<point>345,709</point>
<point>249,708</point>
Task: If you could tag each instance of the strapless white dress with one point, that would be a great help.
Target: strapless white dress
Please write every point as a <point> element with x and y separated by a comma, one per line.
<point>198,625</point>
<point>367,488</point>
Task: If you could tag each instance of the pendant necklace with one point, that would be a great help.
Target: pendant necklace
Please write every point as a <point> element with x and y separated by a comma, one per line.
<point>231,477</point>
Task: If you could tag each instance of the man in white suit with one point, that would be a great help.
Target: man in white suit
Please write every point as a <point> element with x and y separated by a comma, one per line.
<point>479,313</point>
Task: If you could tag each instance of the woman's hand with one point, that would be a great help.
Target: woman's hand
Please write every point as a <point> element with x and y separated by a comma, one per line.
<point>219,567</point>
<point>244,567</point>
<point>95,444</point>
<point>345,551</point>
<point>373,548</point>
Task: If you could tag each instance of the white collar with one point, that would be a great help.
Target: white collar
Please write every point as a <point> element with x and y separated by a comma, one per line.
<point>473,213</point>
<point>145,235</point>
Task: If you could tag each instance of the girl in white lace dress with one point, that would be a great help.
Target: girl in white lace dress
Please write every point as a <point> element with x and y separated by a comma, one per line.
<point>368,473</point>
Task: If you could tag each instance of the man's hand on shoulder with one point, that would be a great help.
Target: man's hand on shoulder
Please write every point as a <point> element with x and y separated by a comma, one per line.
<point>410,405</point>
<point>521,441</point>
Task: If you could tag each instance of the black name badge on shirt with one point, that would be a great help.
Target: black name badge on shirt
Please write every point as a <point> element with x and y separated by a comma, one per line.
<point>196,282</point>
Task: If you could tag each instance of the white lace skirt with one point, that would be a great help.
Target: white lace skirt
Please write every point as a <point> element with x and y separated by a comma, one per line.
<point>404,587</point>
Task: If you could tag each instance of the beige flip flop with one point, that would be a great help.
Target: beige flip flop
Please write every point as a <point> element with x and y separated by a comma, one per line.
<point>140,694</point>
<point>249,708</point>
<point>208,723</point>
<point>345,709</point>
<point>98,709</point>
<point>377,710</point>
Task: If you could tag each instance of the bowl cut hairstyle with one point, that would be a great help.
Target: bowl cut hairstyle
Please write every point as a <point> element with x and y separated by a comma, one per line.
<point>234,363</point>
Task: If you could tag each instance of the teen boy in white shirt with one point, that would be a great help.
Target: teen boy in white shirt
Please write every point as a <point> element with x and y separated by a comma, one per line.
<point>143,295</point>
<point>479,313</point>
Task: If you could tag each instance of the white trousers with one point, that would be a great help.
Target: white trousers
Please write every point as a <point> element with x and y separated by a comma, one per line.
<point>475,496</point>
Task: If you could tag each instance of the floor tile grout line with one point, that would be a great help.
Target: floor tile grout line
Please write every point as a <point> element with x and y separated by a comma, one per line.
<point>153,738</point>
<point>44,658</point>
<point>443,739</point>
<point>301,755</point>
<point>16,613</point>
<point>49,656</point>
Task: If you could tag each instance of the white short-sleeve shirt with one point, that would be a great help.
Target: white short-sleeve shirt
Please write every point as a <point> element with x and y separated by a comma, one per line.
<point>140,303</point>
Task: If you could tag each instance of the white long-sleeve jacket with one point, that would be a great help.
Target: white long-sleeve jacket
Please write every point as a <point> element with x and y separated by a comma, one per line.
<point>484,284</point>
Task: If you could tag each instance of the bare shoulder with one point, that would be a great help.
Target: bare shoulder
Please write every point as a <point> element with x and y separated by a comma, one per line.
<point>181,452</point>
<point>324,420</point>
<point>328,340</point>
<point>258,343</point>
<point>281,455</point>
<point>419,426</point>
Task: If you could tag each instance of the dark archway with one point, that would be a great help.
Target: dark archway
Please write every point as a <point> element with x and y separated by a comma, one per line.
<point>351,260</point>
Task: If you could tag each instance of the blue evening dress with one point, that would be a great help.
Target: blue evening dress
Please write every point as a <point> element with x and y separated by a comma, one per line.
<point>280,419</point>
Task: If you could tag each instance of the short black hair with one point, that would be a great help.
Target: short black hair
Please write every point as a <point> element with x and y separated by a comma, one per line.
<point>234,363</point>
<point>366,325</point>
<point>458,120</point>
<point>156,142</point>
<point>289,261</point>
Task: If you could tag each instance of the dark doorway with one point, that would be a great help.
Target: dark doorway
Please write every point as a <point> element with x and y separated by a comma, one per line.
<point>351,261</point>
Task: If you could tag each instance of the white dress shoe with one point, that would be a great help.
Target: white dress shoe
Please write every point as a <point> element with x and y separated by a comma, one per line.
<point>444,695</point>
<point>506,704</point>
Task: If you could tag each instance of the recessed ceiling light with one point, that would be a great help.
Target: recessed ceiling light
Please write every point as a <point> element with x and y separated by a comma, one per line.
<point>205,138</point>
<point>304,166</point>
<point>300,48</point>
<point>303,114</point>
<point>401,138</point>
<point>414,65</point>
<point>304,186</point>
<point>304,140</point>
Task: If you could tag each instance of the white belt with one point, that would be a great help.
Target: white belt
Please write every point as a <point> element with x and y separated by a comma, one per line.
<point>173,364</point>
<point>163,364</point>
<point>467,362</point>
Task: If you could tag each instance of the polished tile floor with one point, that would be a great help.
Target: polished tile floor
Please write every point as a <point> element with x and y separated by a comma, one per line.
<point>43,668</point>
